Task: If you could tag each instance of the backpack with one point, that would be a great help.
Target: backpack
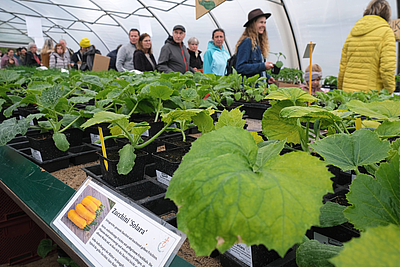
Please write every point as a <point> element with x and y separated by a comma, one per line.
<point>230,63</point>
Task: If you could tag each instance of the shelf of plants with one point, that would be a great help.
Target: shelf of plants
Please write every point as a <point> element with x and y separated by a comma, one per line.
<point>315,174</point>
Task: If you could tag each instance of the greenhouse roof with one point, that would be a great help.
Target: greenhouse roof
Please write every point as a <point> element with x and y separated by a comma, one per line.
<point>293,24</point>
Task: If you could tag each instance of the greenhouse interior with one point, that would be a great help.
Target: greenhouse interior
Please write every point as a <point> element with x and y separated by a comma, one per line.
<point>233,133</point>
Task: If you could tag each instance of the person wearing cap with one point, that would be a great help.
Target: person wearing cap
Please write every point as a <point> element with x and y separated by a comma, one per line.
<point>85,55</point>
<point>174,56</point>
<point>253,47</point>
<point>125,53</point>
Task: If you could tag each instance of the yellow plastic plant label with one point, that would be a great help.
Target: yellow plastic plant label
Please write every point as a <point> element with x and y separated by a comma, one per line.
<point>103,147</point>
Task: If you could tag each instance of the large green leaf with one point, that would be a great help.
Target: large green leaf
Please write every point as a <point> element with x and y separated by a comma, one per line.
<point>384,110</point>
<point>127,158</point>
<point>230,118</point>
<point>80,99</point>
<point>293,94</point>
<point>314,254</point>
<point>309,113</point>
<point>180,115</point>
<point>38,86</point>
<point>9,75</point>
<point>388,129</point>
<point>189,94</point>
<point>348,152</point>
<point>92,79</point>
<point>375,201</point>
<point>103,116</point>
<point>378,246</point>
<point>11,128</point>
<point>222,200</point>
<point>161,91</point>
<point>275,127</point>
<point>61,142</point>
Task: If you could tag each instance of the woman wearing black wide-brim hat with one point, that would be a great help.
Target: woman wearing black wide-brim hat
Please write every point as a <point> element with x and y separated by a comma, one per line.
<point>253,46</point>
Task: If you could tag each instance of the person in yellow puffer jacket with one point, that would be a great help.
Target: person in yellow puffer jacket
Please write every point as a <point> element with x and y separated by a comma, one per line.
<point>368,59</point>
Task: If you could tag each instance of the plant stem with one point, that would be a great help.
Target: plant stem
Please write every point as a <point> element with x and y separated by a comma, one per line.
<point>345,128</point>
<point>154,137</point>
<point>158,109</point>
<point>69,125</point>
<point>126,133</point>
<point>357,171</point>
<point>337,127</point>
<point>134,108</point>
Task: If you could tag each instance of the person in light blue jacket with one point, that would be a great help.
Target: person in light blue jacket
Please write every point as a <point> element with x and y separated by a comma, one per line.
<point>216,56</point>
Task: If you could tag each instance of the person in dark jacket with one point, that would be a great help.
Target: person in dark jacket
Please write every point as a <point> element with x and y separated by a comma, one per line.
<point>32,59</point>
<point>174,56</point>
<point>85,55</point>
<point>113,58</point>
<point>252,47</point>
<point>195,59</point>
<point>143,58</point>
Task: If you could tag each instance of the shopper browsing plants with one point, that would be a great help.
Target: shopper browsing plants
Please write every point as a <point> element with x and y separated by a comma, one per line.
<point>216,56</point>
<point>316,75</point>
<point>369,54</point>
<point>253,46</point>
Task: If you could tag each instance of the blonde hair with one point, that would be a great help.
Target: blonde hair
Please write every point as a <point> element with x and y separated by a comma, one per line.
<point>256,39</point>
<point>315,67</point>
<point>379,8</point>
<point>47,47</point>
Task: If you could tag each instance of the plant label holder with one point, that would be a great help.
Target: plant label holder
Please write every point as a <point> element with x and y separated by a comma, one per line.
<point>308,54</point>
<point>143,237</point>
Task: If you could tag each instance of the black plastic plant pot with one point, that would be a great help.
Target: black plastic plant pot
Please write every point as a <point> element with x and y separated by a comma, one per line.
<point>113,178</point>
<point>260,257</point>
<point>168,161</point>
<point>50,165</point>
<point>75,136</point>
<point>83,154</point>
<point>43,147</point>
<point>93,171</point>
<point>162,207</point>
<point>18,139</point>
<point>142,189</point>
<point>275,70</point>
<point>19,146</point>
<point>177,140</point>
<point>335,235</point>
<point>341,177</point>
<point>255,110</point>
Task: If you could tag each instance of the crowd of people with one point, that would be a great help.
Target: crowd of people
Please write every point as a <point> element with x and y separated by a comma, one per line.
<point>368,58</point>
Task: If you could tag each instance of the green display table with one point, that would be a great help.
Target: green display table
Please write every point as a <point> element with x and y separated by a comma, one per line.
<point>41,195</point>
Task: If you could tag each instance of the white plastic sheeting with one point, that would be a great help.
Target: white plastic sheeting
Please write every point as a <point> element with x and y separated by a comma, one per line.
<point>293,24</point>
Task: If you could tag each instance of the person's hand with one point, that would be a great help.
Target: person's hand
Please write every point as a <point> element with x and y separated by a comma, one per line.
<point>271,80</point>
<point>268,65</point>
<point>195,69</point>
